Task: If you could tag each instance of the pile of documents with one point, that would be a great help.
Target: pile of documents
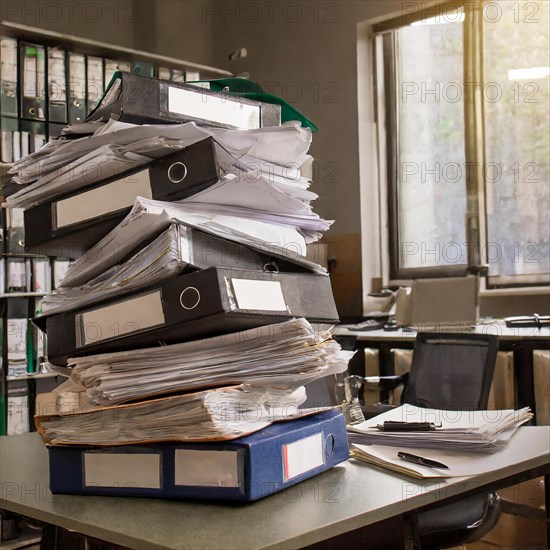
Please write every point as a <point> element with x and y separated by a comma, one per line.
<point>437,443</point>
<point>189,313</point>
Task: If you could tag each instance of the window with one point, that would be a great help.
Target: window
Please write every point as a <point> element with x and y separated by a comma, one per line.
<point>462,103</point>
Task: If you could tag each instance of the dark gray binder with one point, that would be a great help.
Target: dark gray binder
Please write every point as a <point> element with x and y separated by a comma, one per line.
<point>142,100</point>
<point>204,303</point>
<point>66,227</point>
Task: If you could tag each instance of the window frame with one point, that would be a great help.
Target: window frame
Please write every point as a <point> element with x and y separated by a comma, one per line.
<point>385,110</point>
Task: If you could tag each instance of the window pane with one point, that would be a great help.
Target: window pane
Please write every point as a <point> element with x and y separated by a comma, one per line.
<point>431,175</point>
<point>516,104</point>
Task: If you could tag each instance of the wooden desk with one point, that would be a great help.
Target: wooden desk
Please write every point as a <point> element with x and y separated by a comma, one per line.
<point>520,341</point>
<point>344,499</point>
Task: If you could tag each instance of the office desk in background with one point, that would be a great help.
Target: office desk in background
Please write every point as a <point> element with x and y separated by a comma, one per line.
<point>354,501</point>
<point>520,341</point>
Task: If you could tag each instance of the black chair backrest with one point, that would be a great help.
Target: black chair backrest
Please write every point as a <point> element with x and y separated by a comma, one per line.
<point>451,371</point>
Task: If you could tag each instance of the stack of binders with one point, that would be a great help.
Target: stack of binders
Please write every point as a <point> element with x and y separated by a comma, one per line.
<point>190,320</point>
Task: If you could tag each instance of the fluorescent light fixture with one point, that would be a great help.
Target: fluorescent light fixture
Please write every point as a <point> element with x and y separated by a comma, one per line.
<point>532,73</point>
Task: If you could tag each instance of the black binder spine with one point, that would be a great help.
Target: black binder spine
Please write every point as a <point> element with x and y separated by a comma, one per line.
<point>57,86</point>
<point>175,177</point>
<point>32,70</point>
<point>200,304</point>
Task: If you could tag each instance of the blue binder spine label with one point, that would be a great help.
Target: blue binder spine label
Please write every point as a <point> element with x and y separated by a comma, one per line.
<point>302,456</point>
<point>124,469</point>
<point>209,468</point>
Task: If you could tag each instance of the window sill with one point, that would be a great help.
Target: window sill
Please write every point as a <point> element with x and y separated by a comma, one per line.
<point>519,291</point>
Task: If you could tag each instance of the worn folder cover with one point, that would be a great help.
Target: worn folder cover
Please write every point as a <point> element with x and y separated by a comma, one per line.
<point>204,303</point>
<point>247,468</point>
<point>142,100</point>
<point>68,226</point>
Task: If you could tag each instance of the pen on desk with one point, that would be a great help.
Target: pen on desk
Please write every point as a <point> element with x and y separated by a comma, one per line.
<point>421,460</point>
<point>396,426</point>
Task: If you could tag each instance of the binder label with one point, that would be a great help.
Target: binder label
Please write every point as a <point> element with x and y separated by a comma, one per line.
<point>129,316</point>
<point>194,468</point>
<point>259,295</point>
<point>103,200</point>
<point>136,470</point>
<point>215,108</point>
<point>302,456</point>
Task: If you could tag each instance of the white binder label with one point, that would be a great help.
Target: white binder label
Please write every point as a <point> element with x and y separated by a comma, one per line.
<point>259,295</point>
<point>132,315</point>
<point>302,456</point>
<point>140,470</point>
<point>213,108</point>
<point>105,199</point>
<point>197,468</point>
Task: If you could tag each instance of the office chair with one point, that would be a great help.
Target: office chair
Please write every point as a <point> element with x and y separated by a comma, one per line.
<point>451,372</point>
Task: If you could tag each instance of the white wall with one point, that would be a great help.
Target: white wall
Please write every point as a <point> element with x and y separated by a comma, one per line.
<point>306,52</point>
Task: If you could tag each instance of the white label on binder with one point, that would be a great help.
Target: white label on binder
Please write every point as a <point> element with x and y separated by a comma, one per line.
<point>259,295</point>
<point>302,456</point>
<point>133,315</point>
<point>198,468</point>
<point>229,111</point>
<point>105,199</point>
<point>139,470</point>
<point>30,84</point>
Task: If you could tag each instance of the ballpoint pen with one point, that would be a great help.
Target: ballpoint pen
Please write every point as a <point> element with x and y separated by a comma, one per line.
<point>396,426</point>
<point>421,460</point>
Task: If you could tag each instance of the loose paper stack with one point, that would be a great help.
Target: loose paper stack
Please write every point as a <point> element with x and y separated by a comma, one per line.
<point>473,431</point>
<point>467,442</point>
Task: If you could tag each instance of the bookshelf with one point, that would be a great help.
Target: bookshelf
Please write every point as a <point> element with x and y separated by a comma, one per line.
<point>47,80</point>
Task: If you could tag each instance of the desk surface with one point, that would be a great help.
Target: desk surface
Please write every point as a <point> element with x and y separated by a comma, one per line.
<point>345,498</point>
<point>497,328</point>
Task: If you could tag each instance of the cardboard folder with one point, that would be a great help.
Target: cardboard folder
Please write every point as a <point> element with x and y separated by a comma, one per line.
<point>204,303</point>
<point>142,100</point>
<point>68,226</point>
<point>247,468</point>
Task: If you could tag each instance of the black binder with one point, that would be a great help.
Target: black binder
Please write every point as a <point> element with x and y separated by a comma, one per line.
<point>68,226</point>
<point>142,100</point>
<point>8,78</point>
<point>200,304</point>
<point>32,68</point>
<point>57,86</point>
<point>77,87</point>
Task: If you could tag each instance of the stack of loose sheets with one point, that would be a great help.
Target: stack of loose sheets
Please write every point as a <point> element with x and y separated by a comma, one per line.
<point>467,442</point>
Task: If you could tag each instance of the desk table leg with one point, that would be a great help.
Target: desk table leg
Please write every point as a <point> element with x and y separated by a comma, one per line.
<point>547,507</point>
<point>410,532</point>
<point>524,381</point>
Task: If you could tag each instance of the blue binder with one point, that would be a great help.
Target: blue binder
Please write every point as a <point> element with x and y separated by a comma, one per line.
<point>248,468</point>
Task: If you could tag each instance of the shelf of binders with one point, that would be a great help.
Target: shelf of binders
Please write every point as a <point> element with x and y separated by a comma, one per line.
<point>24,280</point>
<point>49,80</point>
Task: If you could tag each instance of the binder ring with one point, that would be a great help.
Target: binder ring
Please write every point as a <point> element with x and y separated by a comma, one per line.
<point>175,171</point>
<point>32,111</point>
<point>194,295</point>
<point>271,267</point>
<point>330,443</point>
